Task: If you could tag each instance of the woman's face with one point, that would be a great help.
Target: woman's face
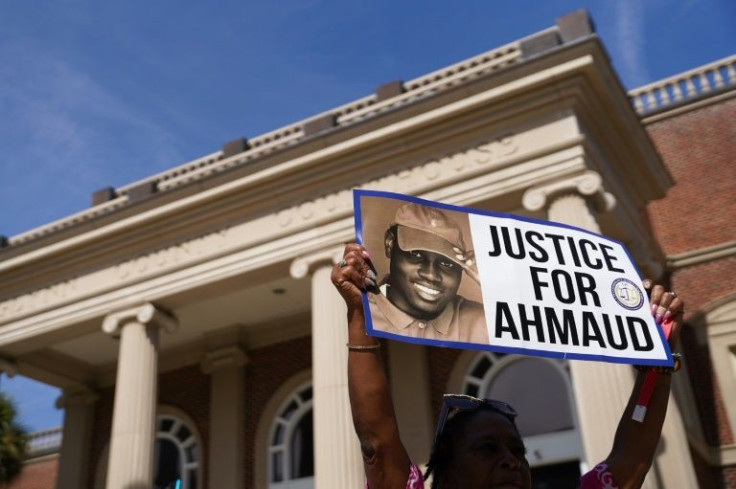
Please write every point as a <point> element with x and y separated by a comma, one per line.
<point>488,453</point>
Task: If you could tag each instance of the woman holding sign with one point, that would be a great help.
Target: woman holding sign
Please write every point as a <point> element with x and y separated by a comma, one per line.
<point>476,444</point>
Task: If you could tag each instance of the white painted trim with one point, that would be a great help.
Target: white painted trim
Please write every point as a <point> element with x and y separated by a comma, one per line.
<point>701,255</point>
<point>265,421</point>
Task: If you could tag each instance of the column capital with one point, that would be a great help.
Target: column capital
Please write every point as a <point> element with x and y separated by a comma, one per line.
<point>75,397</point>
<point>230,356</point>
<point>304,265</point>
<point>144,314</point>
<point>588,184</point>
<point>8,367</point>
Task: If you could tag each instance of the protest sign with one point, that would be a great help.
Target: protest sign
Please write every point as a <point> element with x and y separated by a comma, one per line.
<point>468,278</point>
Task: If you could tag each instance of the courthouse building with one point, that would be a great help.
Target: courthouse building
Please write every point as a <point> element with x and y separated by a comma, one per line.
<point>191,323</point>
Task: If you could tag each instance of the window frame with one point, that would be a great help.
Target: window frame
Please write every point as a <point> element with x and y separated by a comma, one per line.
<point>304,408</point>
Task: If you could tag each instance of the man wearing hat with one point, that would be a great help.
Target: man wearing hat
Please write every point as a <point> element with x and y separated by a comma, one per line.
<point>427,257</point>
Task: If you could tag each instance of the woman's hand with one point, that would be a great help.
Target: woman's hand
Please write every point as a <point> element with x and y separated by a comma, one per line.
<point>666,305</point>
<point>353,275</point>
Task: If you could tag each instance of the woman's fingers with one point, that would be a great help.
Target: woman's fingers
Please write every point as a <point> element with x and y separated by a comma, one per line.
<point>354,269</point>
<point>667,305</point>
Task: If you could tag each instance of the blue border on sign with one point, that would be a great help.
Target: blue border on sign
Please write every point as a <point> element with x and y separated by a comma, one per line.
<point>359,193</point>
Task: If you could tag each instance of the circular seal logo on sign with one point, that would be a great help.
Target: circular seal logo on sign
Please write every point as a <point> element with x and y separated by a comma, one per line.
<point>627,294</point>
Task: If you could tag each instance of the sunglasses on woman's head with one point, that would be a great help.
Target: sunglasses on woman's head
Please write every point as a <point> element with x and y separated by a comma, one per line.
<point>452,404</point>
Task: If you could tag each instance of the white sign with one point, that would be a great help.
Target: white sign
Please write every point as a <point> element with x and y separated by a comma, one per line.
<point>467,278</point>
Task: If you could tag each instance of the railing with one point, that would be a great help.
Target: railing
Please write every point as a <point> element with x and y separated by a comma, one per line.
<point>44,442</point>
<point>684,87</point>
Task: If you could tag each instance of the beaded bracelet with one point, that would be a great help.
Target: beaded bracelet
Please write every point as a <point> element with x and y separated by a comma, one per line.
<point>375,346</point>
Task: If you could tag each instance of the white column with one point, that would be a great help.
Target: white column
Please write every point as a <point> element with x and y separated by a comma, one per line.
<point>602,389</point>
<point>76,437</point>
<point>134,412</point>
<point>227,405</point>
<point>337,460</point>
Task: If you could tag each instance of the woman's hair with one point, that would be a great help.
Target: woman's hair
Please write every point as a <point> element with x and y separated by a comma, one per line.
<point>441,457</point>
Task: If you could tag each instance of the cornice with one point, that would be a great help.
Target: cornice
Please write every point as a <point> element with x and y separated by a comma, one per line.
<point>454,170</point>
<point>302,166</point>
<point>239,227</point>
<point>286,235</point>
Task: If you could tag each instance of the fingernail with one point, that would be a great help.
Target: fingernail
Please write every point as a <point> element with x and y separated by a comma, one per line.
<point>371,274</point>
<point>370,282</point>
<point>654,308</point>
<point>366,254</point>
<point>667,315</point>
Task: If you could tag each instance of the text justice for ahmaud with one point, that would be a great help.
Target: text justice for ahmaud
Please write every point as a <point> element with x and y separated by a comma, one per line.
<point>556,325</point>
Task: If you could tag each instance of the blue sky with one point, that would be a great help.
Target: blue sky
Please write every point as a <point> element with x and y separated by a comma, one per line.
<point>97,94</point>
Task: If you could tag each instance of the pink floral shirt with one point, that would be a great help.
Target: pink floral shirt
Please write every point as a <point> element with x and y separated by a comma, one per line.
<point>598,478</point>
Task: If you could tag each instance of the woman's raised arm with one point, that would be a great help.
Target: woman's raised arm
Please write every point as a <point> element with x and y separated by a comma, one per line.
<point>635,443</point>
<point>384,456</point>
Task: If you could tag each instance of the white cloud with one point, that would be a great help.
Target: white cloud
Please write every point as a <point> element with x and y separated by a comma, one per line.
<point>630,39</point>
<point>63,135</point>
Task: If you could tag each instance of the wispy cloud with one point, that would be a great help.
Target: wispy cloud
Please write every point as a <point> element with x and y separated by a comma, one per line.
<point>630,31</point>
<point>63,134</point>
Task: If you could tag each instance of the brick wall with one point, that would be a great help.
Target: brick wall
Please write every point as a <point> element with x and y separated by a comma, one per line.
<point>188,389</point>
<point>267,369</point>
<point>698,148</point>
<point>37,473</point>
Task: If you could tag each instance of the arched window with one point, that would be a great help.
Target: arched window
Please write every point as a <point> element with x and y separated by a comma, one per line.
<point>539,389</point>
<point>291,443</point>
<point>176,455</point>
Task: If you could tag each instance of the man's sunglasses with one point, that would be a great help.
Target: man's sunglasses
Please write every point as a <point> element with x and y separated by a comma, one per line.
<point>452,404</point>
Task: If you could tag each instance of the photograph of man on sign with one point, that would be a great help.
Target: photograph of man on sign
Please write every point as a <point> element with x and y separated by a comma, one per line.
<point>429,256</point>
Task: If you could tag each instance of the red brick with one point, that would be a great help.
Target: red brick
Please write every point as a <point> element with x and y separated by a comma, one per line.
<point>37,474</point>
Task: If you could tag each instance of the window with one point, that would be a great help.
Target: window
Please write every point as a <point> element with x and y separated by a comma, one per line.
<point>291,443</point>
<point>539,389</point>
<point>176,455</point>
